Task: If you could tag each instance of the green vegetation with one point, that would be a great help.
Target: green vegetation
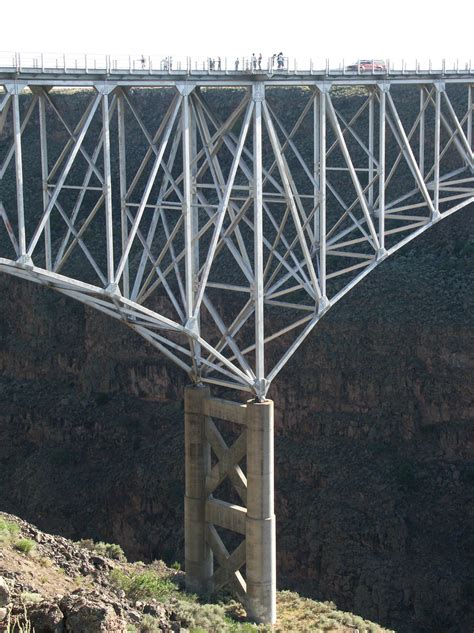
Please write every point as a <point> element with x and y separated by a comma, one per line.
<point>110,550</point>
<point>146,585</point>
<point>30,597</point>
<point>25,545</point>
<point>199,618</point>
<point>212,618</point>
<point>296,614</point>
<point>8,532</point>
<point>150,585</point>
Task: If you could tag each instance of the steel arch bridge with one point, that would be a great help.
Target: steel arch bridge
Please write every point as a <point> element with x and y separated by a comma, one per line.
<point>221,218</point>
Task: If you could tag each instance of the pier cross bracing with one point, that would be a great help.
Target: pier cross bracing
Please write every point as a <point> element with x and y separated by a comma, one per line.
<point>221,215</point>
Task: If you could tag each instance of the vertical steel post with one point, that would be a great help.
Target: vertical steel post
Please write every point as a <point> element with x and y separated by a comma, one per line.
<point>194,227</point>
<point>108,188</point>
<point>316,160</point>
<point>198,554</point>
<point>258,97</point>
<point>322,193</point>
<point>187,205</point>
<point>382,122</point>
<point>371,157</point>
<point>260,520</point>
<point>437,132</point>
<point>44,177</point>
<point>19,173</point>
<point>123,188</point>
<point>469,116</point>
<point>422,132</point>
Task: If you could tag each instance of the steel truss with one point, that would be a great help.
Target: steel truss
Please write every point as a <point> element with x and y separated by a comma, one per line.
<point>219,230</point>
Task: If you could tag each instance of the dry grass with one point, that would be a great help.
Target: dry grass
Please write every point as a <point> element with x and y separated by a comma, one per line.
<point>298,615</point>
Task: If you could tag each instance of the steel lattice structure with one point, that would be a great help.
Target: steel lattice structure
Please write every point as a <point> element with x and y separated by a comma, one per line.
<point>220,227</point>
<point>221,217</point>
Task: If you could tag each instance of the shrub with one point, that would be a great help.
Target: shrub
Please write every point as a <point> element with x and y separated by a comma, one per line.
<point>144,585</point>
<point>87,543</point>
<point>150,624</point>
<point>29,597</point>
<point>25,545</point>
<point>211,618</point>
<point>8,531</point>
<point>44,561</point>
<point>110,550</point>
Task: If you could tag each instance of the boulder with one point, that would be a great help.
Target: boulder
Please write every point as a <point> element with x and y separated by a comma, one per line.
<point>83,615</point>
<point>46,618</point>
<point>4,593</point>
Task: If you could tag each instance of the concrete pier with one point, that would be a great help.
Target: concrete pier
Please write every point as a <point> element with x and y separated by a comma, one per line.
<point>204,512</point>
<point>197,553</point>
<point>260,521</point>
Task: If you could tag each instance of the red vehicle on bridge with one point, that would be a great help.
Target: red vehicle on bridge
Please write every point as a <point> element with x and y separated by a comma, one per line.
<point>368,66</point>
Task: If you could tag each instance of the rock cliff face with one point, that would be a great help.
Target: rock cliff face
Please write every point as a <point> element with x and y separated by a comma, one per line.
<point>374,447</point>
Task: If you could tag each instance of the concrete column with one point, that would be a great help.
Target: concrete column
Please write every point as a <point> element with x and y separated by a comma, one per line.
<point>260,521</point>
<point>197,553</point>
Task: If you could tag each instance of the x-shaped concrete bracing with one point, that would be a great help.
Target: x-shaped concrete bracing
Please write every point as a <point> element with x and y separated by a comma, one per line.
<point>226,515</point>
<point>205,514</point>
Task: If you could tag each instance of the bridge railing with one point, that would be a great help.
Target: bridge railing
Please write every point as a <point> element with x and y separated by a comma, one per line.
<point>214,65</point>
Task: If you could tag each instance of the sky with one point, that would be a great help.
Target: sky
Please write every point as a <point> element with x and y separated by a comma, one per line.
<point>336,29</point>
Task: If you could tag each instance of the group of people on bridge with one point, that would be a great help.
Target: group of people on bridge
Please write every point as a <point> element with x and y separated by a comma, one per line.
<point>245,64</point>
<point>254,63</point>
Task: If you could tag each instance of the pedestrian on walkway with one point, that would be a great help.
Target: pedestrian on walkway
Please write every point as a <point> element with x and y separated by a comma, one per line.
<point>254,62</point>
<point>237,63</point>
<point>260,61</point>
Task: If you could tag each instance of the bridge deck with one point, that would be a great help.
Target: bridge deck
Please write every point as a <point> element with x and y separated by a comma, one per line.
<point>147,77</point>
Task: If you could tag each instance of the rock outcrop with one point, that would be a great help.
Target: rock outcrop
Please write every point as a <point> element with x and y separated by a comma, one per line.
<point>58,586</point>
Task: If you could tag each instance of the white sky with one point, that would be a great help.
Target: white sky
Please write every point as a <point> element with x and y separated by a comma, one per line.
<point>332,28</point>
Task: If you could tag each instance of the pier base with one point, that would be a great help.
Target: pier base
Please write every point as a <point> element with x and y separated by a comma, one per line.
<point>250,570</point>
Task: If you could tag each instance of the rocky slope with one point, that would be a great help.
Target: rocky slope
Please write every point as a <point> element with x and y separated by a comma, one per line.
<point>48,584</point>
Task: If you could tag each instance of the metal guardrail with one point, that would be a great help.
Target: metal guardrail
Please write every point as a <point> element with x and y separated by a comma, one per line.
<point>159,65</point>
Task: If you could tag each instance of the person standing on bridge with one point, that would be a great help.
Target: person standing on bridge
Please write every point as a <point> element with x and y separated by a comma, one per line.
<point>142,60</point>
<point>236,63</point>
<point>254,62</point>
<point>260,61</point>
